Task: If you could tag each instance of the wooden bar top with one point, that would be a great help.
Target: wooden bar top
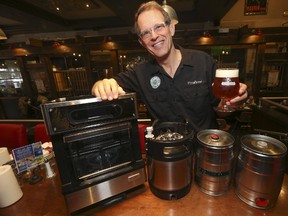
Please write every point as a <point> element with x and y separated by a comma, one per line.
<point>45,198</point>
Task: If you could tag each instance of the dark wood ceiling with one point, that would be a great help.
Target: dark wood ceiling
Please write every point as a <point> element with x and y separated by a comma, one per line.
<point>38,16</point>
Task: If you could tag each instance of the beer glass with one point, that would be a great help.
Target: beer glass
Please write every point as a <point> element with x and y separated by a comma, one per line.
<point>226,87</point>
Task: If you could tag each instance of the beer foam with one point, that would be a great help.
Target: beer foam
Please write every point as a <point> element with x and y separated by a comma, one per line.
<point>227,72</point>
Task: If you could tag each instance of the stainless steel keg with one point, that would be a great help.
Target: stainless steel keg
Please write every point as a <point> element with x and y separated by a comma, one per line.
<point>214,160</point>
<point>260,170</point>
<point>169,160</point>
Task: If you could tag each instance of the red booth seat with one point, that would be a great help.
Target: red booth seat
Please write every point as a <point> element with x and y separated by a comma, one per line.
<point>13,135</point>
<point>141,131</point>
<point>40,134</point>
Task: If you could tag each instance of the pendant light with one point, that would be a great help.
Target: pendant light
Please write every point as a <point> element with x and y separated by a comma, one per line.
<point>2,35</point>
<point>171,12</point>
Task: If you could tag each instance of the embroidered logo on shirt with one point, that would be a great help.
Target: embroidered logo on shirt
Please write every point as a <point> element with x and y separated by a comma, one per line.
<point>155,82</point>
<point>195,82</point>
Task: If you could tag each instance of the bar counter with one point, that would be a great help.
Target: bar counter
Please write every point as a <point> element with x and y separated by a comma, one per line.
<point>45,198</point>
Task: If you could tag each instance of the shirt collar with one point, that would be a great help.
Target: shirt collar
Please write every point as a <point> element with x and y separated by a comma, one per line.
<point>186,60</point>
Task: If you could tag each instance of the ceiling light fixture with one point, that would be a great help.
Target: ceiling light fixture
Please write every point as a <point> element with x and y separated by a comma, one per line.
<point>2,35</point>
<point>257,32</point>
<point>171,12</point>
<point>207,34</point>
<point>56,44</point>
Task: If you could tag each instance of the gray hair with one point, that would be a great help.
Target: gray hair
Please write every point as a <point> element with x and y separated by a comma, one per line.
<point>146,7</point>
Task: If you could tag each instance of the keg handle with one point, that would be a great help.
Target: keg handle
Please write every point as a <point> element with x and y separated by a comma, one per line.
<point>187,123</point>
<point>154,123</point>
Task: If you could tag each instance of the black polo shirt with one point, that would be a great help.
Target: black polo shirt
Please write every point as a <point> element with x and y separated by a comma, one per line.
<point>185,97</point>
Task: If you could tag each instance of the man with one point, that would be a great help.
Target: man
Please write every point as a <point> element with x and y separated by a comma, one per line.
<point>177,84</point>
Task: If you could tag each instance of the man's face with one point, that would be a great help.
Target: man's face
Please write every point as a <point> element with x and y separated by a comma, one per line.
<point>155,34</point>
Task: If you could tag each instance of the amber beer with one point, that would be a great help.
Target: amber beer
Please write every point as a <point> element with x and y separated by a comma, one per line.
<point>226,83</point>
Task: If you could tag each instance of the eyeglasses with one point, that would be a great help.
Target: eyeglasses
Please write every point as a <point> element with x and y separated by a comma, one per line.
<point>158,28</point>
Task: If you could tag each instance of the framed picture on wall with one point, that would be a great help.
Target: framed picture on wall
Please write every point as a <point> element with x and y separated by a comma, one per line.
<point>255,7</point>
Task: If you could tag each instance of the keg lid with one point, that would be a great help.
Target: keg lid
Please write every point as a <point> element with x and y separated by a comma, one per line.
<point>215,138</point>
<point>263,144</point>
